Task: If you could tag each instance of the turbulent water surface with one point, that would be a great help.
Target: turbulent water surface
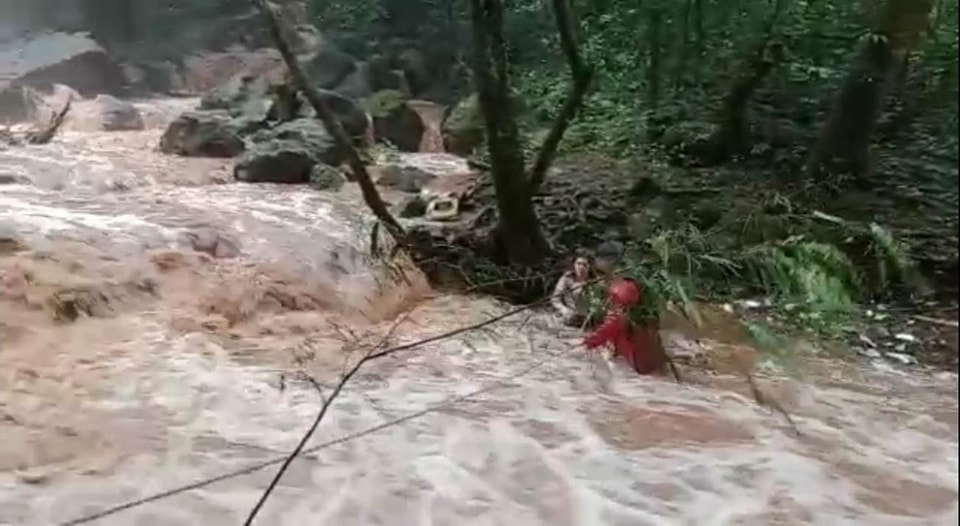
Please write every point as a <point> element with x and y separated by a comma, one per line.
<point>157,320</point>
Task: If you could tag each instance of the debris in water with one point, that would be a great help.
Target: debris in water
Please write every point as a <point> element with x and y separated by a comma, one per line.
<point>904,337</point>
<point>904,359</point>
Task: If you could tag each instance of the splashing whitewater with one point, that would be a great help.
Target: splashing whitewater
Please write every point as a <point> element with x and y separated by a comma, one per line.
<point>154,315</point>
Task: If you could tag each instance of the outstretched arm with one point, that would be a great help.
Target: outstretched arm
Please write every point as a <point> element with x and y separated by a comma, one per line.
<point>605,333</point>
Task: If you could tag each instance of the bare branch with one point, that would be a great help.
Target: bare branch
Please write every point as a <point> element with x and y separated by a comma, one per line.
<point>581,78</point>
<point>46,134</point>
<point>370,194</point>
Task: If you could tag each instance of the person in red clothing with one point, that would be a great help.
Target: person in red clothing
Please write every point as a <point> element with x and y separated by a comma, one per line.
<point>639,345</point>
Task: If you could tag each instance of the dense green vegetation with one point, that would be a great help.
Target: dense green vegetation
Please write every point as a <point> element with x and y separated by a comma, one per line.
<point>805,150</point>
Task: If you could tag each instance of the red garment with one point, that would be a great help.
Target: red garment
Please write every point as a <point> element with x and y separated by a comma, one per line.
<point>639,346</point>
<point>624,293</point>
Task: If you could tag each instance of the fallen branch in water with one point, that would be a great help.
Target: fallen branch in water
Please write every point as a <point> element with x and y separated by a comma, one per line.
<point>937,321</point>
<point>767,401</point>
<point>372,354</point>
<point>46,134</point>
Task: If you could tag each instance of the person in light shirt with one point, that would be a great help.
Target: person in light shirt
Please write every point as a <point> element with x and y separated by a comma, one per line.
<point>568,293</point>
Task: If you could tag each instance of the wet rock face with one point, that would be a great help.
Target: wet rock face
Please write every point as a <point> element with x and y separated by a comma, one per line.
<point>202,134</point>
<point>61,58</point>
<point>463,129</point>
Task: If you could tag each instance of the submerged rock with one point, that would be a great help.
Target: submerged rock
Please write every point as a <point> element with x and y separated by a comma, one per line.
<point>202,134</point>
<point>117,115</point>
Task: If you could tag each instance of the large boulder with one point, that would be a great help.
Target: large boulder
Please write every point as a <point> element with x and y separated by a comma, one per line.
<point>236,93</point>
<point>357,85</point>
<point>382,76</point>
<point>206,71</point>
<point>463,129</point>
<point>415,68</point>
<point>395,121</point>
<point>202,134</point>
<point>60,58</point>
<point>288,153</point>
<point>329,66</point>
<point>351,116</point>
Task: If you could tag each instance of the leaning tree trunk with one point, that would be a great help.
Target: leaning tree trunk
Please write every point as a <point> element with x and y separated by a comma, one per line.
<point>368,190</point>
<point>843,148</point>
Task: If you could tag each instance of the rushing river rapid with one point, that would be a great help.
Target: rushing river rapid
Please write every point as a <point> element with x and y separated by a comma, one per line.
<point>159,322</point>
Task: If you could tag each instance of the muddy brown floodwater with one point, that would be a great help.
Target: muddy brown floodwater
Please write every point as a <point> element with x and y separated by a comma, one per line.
<point>154,315</point>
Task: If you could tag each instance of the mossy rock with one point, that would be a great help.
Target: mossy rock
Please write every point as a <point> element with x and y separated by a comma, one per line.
<point>394,121</point>
<point>326,177</point>
<point>463,129</point>
<point>385,102</point>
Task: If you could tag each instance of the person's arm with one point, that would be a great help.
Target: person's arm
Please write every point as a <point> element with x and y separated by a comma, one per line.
<point>605,333</point>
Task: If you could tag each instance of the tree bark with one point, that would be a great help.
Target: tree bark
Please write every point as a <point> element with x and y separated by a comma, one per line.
<point>370,194</point>
<point>843,148</point>
<point>518,235</point>
<point>581,78</point>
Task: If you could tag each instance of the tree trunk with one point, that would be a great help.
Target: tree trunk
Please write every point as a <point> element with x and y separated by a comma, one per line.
<point>654,54</point>
<point>581,78</point>
<point>843,148</point>
<point>519,238</point>
<point>730,137</point>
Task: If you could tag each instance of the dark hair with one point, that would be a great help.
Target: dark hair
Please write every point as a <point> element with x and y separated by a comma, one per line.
<point>610,250</point>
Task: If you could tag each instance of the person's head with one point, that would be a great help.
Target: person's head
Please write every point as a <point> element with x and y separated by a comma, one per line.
<point>609,254</point>
<point>581,266</point>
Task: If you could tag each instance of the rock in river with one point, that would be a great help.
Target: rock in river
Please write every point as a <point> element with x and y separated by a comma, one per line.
<point>202,134</point>
<point>287,153</point>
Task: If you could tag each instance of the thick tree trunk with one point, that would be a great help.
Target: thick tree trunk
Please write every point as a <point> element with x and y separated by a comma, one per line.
<point>843,148</point>
<point>518,234</point>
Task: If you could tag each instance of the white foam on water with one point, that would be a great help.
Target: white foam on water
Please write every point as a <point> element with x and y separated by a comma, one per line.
<point>529,452</point>
<point>565,444</point>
